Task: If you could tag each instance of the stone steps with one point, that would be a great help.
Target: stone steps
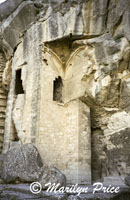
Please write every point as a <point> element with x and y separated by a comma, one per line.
<point>2,115</point>
<point>2,109</point>
<point>2,122</point>
<point>3,96</point>
<point>3,101</point>
<point>1,131</point>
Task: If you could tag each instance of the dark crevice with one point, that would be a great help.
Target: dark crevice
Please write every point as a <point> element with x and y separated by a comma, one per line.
<point>119,92</point>
<point>117,24</point>
<point>108,3</point>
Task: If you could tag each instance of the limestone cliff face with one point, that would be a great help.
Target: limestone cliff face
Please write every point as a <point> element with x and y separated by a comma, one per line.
<point>87,43</point>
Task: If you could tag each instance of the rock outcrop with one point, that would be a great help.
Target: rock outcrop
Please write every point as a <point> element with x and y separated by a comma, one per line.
<point>24,164</point>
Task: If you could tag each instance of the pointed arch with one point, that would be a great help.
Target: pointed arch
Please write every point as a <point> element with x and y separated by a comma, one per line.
<point>58,65</point>
<point>74,54</point>
<point>69,68</point>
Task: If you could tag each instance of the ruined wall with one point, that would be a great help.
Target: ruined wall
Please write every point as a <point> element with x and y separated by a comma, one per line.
<point>63,126</point>
<point>98,77</point>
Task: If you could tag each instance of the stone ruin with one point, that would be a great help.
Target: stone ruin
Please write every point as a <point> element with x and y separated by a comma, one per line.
<point>65,85</point>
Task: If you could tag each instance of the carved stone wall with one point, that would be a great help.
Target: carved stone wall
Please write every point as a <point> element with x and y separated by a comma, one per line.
<point>64,126</point>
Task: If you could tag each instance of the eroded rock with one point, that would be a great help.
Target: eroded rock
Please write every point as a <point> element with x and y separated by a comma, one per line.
<point>22,163</point>
<point>52,175</point>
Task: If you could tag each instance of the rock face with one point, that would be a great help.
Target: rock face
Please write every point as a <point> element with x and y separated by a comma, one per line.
<point>71,60</point>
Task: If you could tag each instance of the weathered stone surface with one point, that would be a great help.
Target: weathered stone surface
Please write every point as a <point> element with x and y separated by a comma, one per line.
<point>88,19</point>
<point>114,180</point>
<point>124,98</point>
<point>1,162</point>
<point>18,116</point>
<point>6,78</point>
<point>23,21</point>
<point>22,163</point>
<point>8,7</point>
<point>127,180</point>
<point>52,175</point>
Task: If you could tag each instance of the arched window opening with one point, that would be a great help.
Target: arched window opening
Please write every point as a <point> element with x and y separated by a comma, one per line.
<point>57,89</point>
<point>18,83</point>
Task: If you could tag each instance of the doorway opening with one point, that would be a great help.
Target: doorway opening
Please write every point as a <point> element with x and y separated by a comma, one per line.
<point>18,83</point>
